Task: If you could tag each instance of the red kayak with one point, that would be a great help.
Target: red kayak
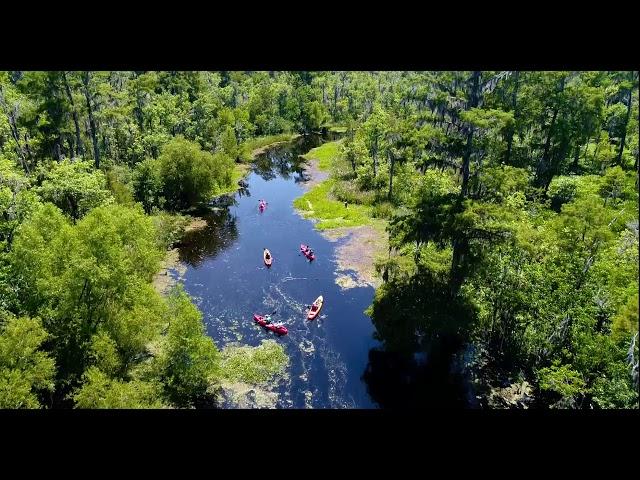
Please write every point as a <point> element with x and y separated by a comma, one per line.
<point>305,250</point>
<point>276,328</point>
<point>262,207</point>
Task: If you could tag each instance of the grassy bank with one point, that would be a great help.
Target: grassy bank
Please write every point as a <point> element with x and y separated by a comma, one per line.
<point>324,202</point>
<point>326,154</point>
<point>359,218</point>
<point>335,128</point>
<point>318,203</point>
<point>257,145</point>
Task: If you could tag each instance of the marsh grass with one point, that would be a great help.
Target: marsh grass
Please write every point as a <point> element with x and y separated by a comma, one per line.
<point>326,154</point>
<point>254,365</point>
<point>331,213</point>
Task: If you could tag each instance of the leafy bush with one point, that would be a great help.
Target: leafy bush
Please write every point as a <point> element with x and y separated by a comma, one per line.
<point>189,174</point>
<point>147,184</point>
<point>383,210</point>
<point>75,187</point>
<point>562,190</point>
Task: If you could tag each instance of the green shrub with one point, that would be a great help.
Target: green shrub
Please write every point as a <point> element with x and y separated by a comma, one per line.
<point>190,175</point>
<point>383,210</point>
<point>562,190</point>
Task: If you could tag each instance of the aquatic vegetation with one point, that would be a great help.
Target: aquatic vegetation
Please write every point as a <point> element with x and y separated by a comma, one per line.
<point>253,365</point>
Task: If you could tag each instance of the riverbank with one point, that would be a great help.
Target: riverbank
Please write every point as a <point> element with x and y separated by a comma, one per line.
<point>172,269</point>
<point>255,147</point>
<point>261,144</point>
<point>362,237</point>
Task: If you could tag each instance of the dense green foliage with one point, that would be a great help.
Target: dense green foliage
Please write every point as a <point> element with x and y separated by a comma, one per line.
<point>89,161</point>
<point>515,226</point>
<point>511,197</point>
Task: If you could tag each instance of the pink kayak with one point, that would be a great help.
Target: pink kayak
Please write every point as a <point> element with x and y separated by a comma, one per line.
<point>276,328</point>
<point>305,250</point>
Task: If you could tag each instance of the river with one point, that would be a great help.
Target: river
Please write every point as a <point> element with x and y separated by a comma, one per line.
<point>335,360</point>
<point>229,282</point>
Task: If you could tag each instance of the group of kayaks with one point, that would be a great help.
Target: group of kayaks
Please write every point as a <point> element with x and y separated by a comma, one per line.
<point>314,309</point>
<point>306,251</point>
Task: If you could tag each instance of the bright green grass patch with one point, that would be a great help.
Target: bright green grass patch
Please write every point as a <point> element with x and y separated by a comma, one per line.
<point>253,364</point>
<point>335,127</point>
<point>318,203</point>
<point>325,154</point>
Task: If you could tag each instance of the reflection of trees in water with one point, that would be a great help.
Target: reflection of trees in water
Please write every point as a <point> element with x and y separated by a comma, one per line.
<point>299,174</point>
<point>284,160</point>
<point>221,231</point>
<point>417,318</point>
<point>243,192</point>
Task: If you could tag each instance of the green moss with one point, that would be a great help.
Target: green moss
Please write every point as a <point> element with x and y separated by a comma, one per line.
<point>253,364</point>
<point>325,154</point>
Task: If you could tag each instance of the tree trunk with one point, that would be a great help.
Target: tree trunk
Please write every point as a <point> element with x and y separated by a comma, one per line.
<point>635,167</point>
<point>26,145</point>
<point>543,164</point>
<point>576,156</point>
<point>514,105</point>
<point>57,151</point>
<point>79,146</point>
<point>473,102</point>
<point>392,163</point>
<point>92,123</point>
<point>13,127</point>
<point>624,129</point>
<point>70,144</point>
<point>375,157</point>
<point>460,248</point>
<point>461,243</point>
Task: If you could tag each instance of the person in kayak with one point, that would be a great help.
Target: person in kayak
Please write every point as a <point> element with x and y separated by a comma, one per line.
<point>267,318</point>
<point>267,256</point>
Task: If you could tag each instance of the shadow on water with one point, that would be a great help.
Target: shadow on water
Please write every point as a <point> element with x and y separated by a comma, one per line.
<point>423,332</point>
<point>220,232</point>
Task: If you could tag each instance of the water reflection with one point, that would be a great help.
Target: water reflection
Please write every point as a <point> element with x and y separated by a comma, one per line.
<point>220,233</point>
<point>423,330</point>
<point>285,160</point>
<point>401,380</point>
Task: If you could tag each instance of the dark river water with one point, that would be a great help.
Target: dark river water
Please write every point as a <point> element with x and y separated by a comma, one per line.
<point>335,361</point>
<point>229,282</point>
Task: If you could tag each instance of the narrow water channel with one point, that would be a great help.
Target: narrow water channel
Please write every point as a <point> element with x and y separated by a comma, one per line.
<point>229,282</point>
<point>335,360</point>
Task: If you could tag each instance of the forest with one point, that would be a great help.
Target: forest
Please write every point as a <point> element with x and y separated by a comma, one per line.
<point>509,201</point>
